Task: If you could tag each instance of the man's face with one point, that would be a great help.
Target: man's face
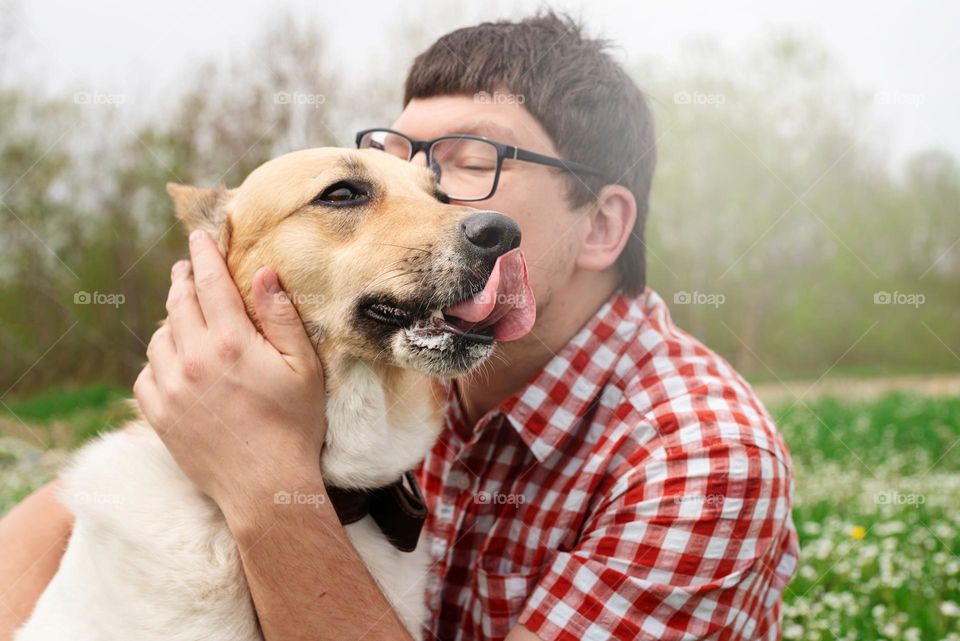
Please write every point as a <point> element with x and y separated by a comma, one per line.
<point>535,196</point>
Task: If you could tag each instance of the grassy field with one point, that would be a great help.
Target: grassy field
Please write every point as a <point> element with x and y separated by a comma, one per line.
<point>877,505</point>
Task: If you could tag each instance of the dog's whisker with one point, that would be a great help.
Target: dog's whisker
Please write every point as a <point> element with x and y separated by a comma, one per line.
<point>380,277</point>
<point>419,249</point>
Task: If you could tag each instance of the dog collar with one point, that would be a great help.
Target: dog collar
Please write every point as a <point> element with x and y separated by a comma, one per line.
<point>398,509</point>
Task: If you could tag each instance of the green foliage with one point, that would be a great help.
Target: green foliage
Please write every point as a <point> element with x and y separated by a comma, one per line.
<point>769,193</point>
<point>84,215</point>
<point>773,196</point>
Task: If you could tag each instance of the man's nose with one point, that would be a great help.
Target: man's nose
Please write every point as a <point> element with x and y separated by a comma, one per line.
<point>487,235</point>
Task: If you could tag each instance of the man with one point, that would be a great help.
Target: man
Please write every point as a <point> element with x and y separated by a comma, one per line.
<point>605,477</point>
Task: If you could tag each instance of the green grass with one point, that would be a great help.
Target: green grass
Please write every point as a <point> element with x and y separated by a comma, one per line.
<point>63,403</point>
<point>915,428</point>
<point>877,490</point>
<point>68,417</point>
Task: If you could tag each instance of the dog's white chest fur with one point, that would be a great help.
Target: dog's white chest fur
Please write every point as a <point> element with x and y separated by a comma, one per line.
<point>151,557</point>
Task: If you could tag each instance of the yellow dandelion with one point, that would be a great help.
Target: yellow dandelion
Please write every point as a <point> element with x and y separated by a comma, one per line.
<point>858,532</point>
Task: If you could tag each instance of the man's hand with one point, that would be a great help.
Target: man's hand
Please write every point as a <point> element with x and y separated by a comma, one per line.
<point>244,416</point>
<point>242,413</point>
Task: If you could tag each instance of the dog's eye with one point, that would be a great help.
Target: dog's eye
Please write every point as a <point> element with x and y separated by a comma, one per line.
<point>343,193</point>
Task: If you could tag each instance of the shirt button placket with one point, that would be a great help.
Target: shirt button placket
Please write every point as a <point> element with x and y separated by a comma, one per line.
<point>448,519</point>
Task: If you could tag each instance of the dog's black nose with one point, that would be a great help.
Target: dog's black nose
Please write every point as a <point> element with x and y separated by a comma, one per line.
<point>489,235</point>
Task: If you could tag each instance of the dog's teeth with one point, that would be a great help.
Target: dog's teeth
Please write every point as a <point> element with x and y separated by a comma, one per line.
<point>438,314</point>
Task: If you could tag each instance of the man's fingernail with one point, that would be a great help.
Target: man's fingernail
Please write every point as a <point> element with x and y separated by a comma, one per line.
<point>178,267</point>
<point>271,283</point>
<point>195,236</point>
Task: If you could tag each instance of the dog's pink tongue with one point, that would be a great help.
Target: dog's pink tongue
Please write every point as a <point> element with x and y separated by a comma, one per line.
<point>506,302</point>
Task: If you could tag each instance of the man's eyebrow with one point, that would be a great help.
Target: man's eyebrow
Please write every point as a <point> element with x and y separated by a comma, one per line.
<point>487,129</point>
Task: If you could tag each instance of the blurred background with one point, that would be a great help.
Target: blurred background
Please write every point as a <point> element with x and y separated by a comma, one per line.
<point>805,224</point>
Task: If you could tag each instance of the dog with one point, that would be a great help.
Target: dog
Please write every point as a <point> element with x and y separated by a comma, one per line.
<point>397,288</point>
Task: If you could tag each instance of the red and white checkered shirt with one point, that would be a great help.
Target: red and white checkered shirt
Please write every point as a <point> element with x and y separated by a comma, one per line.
<point>634,489</point>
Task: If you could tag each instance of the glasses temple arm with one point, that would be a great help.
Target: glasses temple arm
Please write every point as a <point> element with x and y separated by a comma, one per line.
<point>569,165</point>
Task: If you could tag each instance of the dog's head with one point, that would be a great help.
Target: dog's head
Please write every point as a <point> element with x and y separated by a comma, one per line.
<point>378,263</point>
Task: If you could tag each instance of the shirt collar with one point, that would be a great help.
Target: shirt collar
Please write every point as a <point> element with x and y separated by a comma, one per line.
<point>549,408</point>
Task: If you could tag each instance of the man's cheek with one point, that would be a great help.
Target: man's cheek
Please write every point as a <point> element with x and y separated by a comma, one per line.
<point>551,263</point>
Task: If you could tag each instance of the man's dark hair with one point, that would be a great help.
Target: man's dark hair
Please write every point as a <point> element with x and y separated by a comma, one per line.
<point>592,110</point>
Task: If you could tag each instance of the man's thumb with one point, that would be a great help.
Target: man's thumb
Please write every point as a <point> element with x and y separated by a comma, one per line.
<point>278,317</point>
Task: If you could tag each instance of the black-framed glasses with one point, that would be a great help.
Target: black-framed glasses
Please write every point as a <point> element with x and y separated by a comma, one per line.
<point>468,167</point>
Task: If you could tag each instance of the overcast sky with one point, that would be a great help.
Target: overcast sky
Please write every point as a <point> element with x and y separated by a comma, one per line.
<point>138,48</point>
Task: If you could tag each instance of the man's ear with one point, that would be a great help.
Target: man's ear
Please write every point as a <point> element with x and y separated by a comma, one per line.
<point>610,225</point>
<point>200,208</point>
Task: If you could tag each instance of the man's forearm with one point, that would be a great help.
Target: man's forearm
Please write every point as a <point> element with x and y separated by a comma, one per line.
<point>306,578</point>
<point>33,537</point>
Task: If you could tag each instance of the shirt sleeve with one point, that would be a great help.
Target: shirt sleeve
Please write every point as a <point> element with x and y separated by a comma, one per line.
<point>684,545</point>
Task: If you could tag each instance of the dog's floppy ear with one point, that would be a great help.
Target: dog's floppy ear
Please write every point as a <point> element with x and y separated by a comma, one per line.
<point>200,208</point>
